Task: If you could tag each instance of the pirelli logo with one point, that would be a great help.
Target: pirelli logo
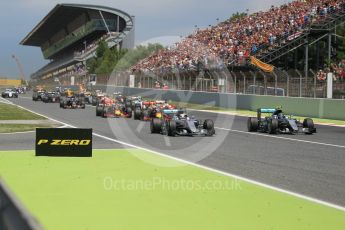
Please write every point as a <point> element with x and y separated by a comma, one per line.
<point>64,142</point>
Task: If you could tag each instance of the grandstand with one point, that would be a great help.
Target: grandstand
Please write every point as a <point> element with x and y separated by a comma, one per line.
<point>268,35</point>
<point>292,42</point>
<point>68,36</point>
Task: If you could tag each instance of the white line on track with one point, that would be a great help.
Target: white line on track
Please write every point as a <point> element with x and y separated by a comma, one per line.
<point>167,141</point>
<point>5,101</point>
<point>282,138</point>
<point>140,127</point>
<point>304,197</point>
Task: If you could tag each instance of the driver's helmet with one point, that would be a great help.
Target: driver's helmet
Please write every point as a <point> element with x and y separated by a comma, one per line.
<point>280,115</point>
<point>69,93</point>
<point>183,116</point>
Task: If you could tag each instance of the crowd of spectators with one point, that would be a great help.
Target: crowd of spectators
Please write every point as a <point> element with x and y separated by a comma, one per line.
<point>233,41</point>
<point>338,70</point>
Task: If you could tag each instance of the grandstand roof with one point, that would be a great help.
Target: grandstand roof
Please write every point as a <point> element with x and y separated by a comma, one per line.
<point>61,15</point>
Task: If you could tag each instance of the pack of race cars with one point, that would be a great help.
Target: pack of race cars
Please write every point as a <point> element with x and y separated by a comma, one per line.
<point>13,92</point>
<point>165,118</point>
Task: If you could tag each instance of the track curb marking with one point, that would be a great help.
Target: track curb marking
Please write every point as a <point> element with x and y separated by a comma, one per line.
<point>281,138</point>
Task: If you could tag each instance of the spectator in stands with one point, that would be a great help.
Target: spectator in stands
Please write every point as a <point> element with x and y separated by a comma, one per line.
<point>233,41</point>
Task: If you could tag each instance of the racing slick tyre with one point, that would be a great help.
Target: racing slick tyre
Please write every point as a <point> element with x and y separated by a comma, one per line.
<point>273,126</point>
<point>308,123</point>
<point>104,112</point>
<point>129,112</point>
<point>137,114</point>
<point>145,115</point>
<point>156,125</point>
<point>253,124</point>
<point>171,128</point>
<point>94,102</point>
<point>209,126</point>
<point>99,111</point>
<point>64,104</point>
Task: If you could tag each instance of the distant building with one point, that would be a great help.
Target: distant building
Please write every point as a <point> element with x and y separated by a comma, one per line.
<point>69,35</point>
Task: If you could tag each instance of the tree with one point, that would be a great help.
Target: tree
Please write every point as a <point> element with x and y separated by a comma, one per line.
<point>340,45</point>
<point>102,47</point>
<point>237,16</point>
<point>108,60</point>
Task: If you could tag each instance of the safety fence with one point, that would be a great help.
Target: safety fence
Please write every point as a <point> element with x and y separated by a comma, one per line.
<point>291,83</point>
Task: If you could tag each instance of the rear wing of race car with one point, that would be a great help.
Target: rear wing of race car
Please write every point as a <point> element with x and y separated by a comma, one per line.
<point>149,103</point>
<point>173,111</point>
<point>261,111</point>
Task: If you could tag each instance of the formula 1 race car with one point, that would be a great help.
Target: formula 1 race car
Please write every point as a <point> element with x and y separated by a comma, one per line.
<point>72,102</point>
<point>277,122</point>
<point>151,110</point>
<point>97,97</point>
<point>147,111</point>
<point>20,90</point>
<point>88,97</point>
<point>103,103</point>
<point>51,97</point>
<point>135,102</point>
<point>116,110</point>
<point>9,93</point>
<point>176,122</point>
<point>37,95</point>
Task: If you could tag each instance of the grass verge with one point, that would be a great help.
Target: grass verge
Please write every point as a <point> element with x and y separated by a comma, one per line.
<point>117,190</point>
<point>12,112</point>
<point>12,128</point>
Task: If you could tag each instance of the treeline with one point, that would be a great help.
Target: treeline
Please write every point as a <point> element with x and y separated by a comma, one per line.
<point>108,59</point>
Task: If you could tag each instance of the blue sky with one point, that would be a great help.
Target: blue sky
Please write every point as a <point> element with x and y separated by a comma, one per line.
<point>154,18</point>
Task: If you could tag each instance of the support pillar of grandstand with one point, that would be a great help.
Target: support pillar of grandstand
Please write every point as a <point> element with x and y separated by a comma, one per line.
<point>329,48</point>
<point>300,83</point>
<point>254,75</point>
<point>315,83</point>
<point>287,83</point>
<point>306,67</point>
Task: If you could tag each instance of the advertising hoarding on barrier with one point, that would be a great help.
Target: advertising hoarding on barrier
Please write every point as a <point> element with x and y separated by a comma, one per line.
<point>330,85</point>
<point>131,81</point>
<point>65,142</point>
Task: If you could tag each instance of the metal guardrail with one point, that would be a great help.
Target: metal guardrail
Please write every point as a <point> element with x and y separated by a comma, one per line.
<point>13,215</point>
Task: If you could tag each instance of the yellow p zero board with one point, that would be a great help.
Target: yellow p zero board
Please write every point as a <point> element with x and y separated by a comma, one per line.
<point>64,142</point>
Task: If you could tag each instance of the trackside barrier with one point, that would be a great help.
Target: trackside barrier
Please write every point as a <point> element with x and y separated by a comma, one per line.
<point>308,107</point>
<point>13,216</point>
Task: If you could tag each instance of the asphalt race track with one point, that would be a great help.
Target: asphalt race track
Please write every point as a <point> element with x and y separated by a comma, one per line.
<point>308,165</point>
